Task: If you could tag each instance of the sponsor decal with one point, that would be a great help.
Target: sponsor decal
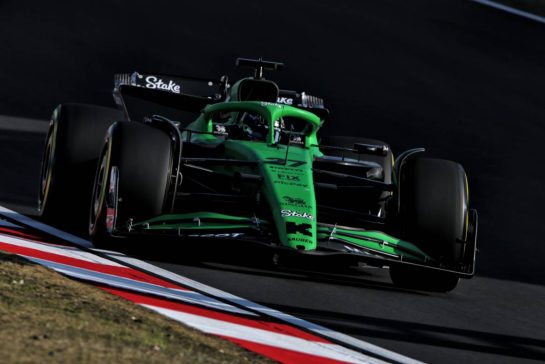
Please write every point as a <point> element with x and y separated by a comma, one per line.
<point>287,177</point>
<point>292,169</point>
<point>291,184</point>
<point>221,129</point>
<point>154,82</point>
<point>291,213</point>
<point>271,104</point>
<point>297,140</point>
<point>285,100</point>
<point>302,240</point>
<point>298,228</point>
<point>225,235</point>
<point>294,201</point>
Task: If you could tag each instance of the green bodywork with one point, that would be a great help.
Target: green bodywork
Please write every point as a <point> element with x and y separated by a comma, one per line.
<point>286,173</point>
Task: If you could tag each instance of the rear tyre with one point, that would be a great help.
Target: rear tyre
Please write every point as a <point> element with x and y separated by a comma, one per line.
<point>74,140</point>
<point>433,211</point>
<point>132,179</point>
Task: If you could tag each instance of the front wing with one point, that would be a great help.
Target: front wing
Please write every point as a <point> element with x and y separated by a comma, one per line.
<point>337,245</point>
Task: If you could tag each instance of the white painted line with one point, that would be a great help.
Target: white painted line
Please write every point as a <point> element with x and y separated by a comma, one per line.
<point>241,302</point>
<point>7,224</point>
<point>251,334</point>
<point>12,216</point>
<point>511,10</point>
<point>69,252</point>
<point>235,300</point>
<point>191,297</point>
<point>23,209</point>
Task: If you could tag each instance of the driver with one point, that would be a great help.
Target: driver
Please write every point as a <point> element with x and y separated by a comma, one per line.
<point>279,125</point>
<point>254,126</point>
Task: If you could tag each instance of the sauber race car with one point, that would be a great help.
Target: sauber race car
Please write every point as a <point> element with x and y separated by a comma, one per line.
<point>199,160</point>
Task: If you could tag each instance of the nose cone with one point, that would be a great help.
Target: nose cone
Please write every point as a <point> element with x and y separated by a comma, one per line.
<point>290,191</point>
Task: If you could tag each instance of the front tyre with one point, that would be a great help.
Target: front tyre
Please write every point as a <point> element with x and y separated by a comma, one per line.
<point>434,216</point>
<point>132,179</point>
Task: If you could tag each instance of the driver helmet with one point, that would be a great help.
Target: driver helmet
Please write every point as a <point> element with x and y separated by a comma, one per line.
<point>254,125</point>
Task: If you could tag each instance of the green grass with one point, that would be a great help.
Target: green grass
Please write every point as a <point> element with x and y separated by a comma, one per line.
<point>47,317</point>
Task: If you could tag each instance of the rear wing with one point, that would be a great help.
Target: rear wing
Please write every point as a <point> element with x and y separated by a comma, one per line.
<point>186,94</point>
<point>303,101</point>
<point>139,95</point>
<point>174,84</point>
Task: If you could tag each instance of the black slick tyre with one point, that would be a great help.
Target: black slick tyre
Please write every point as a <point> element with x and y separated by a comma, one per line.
<point>140,159</point>
<point>433,212</point>
<point>74,140</point>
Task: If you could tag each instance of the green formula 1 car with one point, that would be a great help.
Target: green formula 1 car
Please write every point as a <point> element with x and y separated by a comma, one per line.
<point>202,161</point>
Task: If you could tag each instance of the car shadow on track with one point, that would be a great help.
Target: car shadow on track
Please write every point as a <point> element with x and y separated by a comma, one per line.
<point>423,334</point>
<point>258,261</point>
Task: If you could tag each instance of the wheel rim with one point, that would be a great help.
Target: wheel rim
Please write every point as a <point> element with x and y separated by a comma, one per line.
<point>47,165</point>
<point>98,193</point>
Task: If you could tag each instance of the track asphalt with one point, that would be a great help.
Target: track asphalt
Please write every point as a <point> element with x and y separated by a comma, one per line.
<point>463,80</point>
